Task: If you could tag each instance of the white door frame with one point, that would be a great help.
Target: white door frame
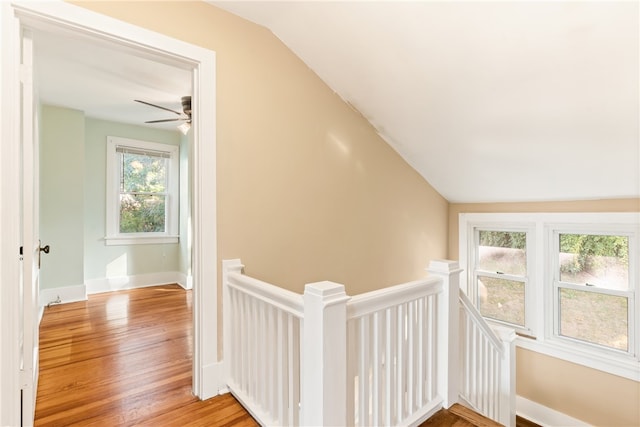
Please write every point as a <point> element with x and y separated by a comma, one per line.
<point>30,209</point>
<point>60,16</point>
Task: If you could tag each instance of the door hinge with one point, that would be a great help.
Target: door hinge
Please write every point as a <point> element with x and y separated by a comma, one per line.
<point>21,253</point>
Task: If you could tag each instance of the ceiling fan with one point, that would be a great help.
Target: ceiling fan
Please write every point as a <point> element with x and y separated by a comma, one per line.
<point>184,116</point>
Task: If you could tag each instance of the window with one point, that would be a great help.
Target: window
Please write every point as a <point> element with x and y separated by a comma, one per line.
<point>567,283</point>
<point>142,192</point>
<point>500,275</point>
<point>591,288</point>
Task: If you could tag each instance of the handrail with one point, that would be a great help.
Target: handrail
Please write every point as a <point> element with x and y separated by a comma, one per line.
<point>286,300</point>
<point>480,322</point>
<point>370,302</point>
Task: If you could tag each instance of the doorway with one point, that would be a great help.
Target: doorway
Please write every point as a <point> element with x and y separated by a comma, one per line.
<point>64,18</point>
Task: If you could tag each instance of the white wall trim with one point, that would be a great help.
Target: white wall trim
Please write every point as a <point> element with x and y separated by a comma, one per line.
<point>544,415</point>
<point>109,284</point>
<point>66,294</point>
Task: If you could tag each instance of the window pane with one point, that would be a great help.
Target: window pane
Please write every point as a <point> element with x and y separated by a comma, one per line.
<point>142,213</point>
<point>502,299</point>
<point>594,317</point>
<point>503,251</point>
<point>143,174</point>
<point>595,260</point>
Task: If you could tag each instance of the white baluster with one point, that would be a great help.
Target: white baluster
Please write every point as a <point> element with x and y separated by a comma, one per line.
<point>400,365</point>
<point>280,369</point>
<point>423,326</point>
<point>375,383</point>
<point>363,372</point>
<point>388,369</point>
<point>291,375</point>
<point>352,369</point>
<point>433,345</point>
<point>411,340</point>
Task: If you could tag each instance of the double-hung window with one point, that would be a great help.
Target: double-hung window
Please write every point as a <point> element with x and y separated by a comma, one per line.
<point>568,283</point>
<point>500,278</point>
<point>142,192</point>
<point>592,293</point>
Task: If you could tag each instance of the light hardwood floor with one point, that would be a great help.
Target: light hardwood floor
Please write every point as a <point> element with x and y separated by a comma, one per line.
<point>124,358</point>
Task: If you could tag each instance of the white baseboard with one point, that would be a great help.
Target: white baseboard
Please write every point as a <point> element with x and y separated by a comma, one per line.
<point>40,314</point>
<point>544,415</point>
<point>62,295</point>
<point>108,284</point>
<point>185,281</point>
<point>67,294</point>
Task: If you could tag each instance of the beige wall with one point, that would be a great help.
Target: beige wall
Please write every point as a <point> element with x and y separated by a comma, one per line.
<point>590,395</point>
<point>307,191</point>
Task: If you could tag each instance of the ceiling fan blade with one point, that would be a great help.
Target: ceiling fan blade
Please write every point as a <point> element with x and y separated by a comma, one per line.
<point>166,120</point>
<point>158,106</point>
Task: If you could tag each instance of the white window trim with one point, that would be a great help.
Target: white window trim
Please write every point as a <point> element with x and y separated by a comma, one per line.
<point>113,235</point>
<point>542,338</point>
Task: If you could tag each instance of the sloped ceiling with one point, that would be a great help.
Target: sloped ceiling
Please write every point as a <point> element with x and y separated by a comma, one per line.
<point>488,101</point>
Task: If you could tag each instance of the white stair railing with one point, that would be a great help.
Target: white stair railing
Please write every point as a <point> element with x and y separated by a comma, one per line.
<point>388,357</point>
<point>392,337</point>
<point>262,326</point>
<point>487,365</point>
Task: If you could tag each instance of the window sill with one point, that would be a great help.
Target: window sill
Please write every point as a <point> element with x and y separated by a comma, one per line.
<point>140,240</point>
<point>620,365</point>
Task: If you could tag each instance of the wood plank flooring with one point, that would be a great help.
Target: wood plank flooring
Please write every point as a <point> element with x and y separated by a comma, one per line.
<point>459,416</point>
<point>122,359</point>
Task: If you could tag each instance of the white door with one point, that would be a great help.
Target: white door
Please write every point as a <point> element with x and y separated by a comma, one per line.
<point>31,249</point>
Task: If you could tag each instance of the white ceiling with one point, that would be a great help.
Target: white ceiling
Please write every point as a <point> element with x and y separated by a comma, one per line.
<point>92,76</point>
<point>488,101</point>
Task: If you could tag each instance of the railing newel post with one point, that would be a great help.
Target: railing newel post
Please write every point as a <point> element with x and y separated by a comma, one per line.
<point>507,415</point>
<point>324,348</point>
<point>228,266</point>
<point>448,330</point>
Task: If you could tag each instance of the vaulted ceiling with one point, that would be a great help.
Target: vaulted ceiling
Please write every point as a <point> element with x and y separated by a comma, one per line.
<point>488,101</point>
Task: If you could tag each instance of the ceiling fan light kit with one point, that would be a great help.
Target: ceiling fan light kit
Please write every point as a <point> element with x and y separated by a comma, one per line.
<point>184,116</point>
